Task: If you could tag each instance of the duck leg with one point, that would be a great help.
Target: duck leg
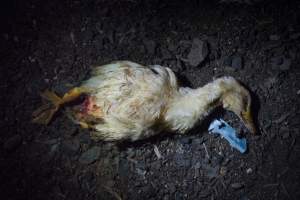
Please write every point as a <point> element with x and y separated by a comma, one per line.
<point>45,113</point>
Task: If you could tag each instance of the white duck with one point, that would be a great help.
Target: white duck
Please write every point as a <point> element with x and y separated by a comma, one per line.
<point>127,101</point>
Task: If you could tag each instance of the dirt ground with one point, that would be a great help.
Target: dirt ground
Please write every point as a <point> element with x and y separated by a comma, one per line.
<point>53,44</point>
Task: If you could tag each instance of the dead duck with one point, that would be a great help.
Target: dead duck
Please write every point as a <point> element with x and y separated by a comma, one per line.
<point>128,101</point>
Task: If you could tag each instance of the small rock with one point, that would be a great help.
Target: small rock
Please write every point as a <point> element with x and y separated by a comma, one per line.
<point>141,172</point>
<point>84,138</point>
<point>71,147</point>
<point>6,36</point>
<point>227,61</point>
<point>226,161</point>
<point>282,118</point>
<point>147,189</point>
<point>156,165</point>
<point>244,198</point>
<point>185,140</point>
<point>16,39</point>
<point>12,143</point>
<point>197,165</point>
<point>110,183</point>
<point>211,172</point>
<point>88,182</point>
<point>123,167</point>
<point>295,36</point>
<point>178,196</point>
<point>274,37</point>
<point>298,92</point>
<point>130,153</point>
<point>90,155</point>
<point>237,186</point>
<point>285,135</point>
<point>270,82</point>
<point>223,171</point>
<point>72,36</point>
<point>150,46</point>
<point>217,160</point>
<point>181,161</point>
<point>279,51</point>
<point>198,52</point>
<point>53,141</point>
<point>165,54</point>
<point>166,197</point>
<point>53,149</point>
<point>237,62</point>
<point>249,170</point>
<point>275,61</point>
<point>285,65</point>
<point>267,125</point>
<point>157,152</point>
<point>171,187</point>
<point>172,47</point>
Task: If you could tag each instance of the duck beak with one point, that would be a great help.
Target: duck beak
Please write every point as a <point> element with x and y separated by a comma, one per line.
<point>248,121</point>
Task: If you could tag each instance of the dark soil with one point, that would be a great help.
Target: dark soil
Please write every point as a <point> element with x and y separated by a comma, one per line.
<point>53,44</point>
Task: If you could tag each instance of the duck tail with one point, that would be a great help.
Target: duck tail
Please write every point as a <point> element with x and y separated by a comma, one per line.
<point>45,113</point>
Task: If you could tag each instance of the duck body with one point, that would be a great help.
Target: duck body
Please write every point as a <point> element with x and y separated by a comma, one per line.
<point>128,101</point>
<point>132,99</point>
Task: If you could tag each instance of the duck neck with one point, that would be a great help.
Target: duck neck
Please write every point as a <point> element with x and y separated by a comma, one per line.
<point>193,105</point>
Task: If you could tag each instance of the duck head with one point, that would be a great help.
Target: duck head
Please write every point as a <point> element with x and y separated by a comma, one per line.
<point>237,99</point>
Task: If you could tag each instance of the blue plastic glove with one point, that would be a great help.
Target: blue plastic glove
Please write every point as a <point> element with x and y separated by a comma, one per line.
<point>227,132</point>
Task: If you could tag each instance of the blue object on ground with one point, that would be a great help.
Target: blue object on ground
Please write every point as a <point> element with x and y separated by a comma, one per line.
<point>227,132</point>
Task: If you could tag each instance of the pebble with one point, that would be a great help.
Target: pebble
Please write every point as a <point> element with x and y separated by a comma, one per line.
<point>53,149</point>
<point>156,165</point>
<point>227,61</point>
<point>84,138</point>
<point>244,198</point>
<point>237,186</point>
<point>211,172</point>
<point>178,196</point>
<point>172,187</point>
<point>285,65</point>
<point>197,165</point>
<point>198,141</point>
<point>274,37</point>
<point>185,140</point>
<point>150,46</point>
<point>223,171</point>
<point>123,167</point>
<point>295,36</point>
<point>141,172</point>
<point>226,161</point>
<point>285,135</point>
<point>198,52</point>
<point>270,82</point>
<point>71,147</point>
<point>237,62</point>
<point>249,170</point>
<point>90,155</point>
<point>130,153</point>
<point>217,160</point>
<point>181,161</point>
<point>165,54</point>
<point>275,61</point>
<point>12,143</point>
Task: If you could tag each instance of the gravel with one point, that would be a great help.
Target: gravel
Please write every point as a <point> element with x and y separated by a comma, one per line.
<point>90,155</point>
